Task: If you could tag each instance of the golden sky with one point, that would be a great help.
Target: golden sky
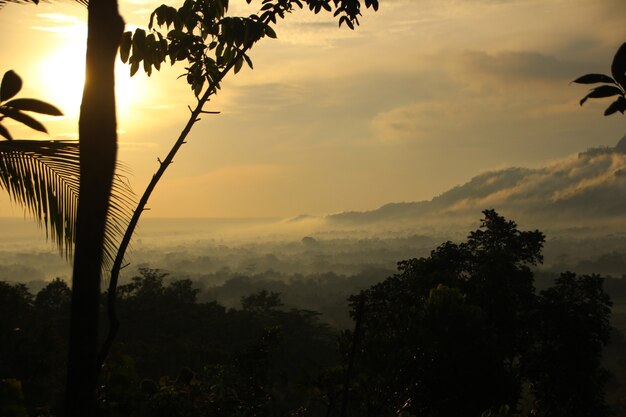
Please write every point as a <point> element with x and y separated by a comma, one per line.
<point>421,97</point>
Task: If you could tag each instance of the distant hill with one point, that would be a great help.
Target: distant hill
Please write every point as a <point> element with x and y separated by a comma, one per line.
<point>578,191</point>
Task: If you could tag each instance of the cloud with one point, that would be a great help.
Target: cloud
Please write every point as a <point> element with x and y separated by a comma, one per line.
<point>62,25</point>
<point>414,122</point>
<point>519,67</point>
<point>582,189</point>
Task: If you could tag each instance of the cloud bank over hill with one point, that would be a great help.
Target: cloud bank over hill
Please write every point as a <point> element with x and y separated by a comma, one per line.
<point>583,190</point>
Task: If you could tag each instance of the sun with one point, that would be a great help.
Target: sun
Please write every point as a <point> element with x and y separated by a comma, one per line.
<point>62,74</point>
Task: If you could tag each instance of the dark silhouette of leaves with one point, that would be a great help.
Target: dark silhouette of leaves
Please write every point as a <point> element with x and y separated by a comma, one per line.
<point>594,79</point>
<point>42,176</point>
<point>618,105</point>
<point>618,68</point>
<point>4,132</point>
<point>11,85</point>
<point>37,106</point>
<point>601,92</point>
<point>617,85</point>
<point>23,118</point>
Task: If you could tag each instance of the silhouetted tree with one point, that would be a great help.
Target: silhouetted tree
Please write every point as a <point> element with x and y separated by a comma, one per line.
<point>98,149</point>
<point>565,364</point>
<point>461,331</point>
<point>97,131</point>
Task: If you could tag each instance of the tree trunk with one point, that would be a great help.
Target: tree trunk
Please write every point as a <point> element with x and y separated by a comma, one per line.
<point>98,149</point>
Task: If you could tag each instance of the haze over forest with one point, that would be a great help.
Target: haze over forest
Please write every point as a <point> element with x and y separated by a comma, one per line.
<point>577,201</point>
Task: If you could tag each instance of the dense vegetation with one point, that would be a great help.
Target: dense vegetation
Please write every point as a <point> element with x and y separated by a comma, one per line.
<point>462,332</point>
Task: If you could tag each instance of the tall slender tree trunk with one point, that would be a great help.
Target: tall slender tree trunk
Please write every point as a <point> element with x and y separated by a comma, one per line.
<point>98,149</point>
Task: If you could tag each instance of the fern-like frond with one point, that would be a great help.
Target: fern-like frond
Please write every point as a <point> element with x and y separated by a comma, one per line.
<point>3,2</point>
<point>43,177</point>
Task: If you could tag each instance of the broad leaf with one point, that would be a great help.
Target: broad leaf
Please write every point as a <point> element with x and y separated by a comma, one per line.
<point>125,44</point>
<point>594,79</point>
<point>618,105</point>
<point>37,106</point>
<point>601,92</point>
<point>618,68</point>
<point>270,32</point>
<point>10,86</point>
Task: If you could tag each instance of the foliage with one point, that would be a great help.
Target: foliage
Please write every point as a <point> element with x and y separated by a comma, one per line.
<point>564,364</point>
<point>43,176</point>
<point>613,86</point>
<point>426,348</point>
<point>463,331</point>
<point>212,42</point>
<point>12,398</point>
<point>33,348</point>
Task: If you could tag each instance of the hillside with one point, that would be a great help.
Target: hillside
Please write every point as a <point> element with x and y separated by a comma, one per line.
<point>579,191</point>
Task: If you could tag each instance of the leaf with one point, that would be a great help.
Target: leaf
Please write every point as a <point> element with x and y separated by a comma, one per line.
<point>134,67</point>
<point>593,79</point>
<point>618,67</point>
<point>238,65</point>
<point>43,177</point>
<point>139,42</point>
<point>37,106</point>
<point>270,32</point>
<point>618,105</point>
<point>248,61</point>
<point>127,41</point>
<point>11,85</point>
<point>25,119</point>
<point>147,67</point>
<point>601,92</point>
<point>4,132</point>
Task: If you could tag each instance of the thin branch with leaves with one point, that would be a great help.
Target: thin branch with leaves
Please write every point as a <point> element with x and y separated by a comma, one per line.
<point>213,44</point>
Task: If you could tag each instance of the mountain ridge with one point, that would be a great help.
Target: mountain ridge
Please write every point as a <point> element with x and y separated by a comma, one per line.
<point>584,188</point>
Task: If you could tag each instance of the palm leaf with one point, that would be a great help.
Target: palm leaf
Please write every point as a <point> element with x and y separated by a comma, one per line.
<point>3,2</point>
<point>43,177</point>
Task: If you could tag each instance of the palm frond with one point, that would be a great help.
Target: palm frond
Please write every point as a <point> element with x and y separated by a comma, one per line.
<point>4,2</point>
<point>43,177</point>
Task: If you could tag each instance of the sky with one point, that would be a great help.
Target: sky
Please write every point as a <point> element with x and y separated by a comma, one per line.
<point>424,95</point>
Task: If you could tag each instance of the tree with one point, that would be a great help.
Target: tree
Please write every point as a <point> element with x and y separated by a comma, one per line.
<point>213,44</point>
<point>462,331</point>
<point>443,319</point>
<point>98,149</point>
<point>572,325</point>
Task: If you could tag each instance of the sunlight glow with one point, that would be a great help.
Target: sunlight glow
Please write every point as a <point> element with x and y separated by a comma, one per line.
<point>62,73</point>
